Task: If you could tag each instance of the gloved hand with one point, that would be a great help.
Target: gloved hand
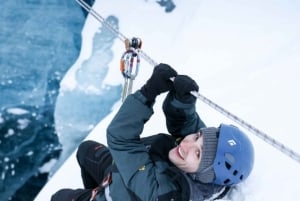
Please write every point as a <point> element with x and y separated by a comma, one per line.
<point>159,81</point>
<point>183,85</point>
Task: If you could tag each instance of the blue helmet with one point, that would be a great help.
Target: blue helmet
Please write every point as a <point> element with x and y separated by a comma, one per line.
<point>234,156</point>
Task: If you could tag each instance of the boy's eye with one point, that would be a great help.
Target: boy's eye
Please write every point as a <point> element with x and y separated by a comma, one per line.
<point>198,135</point>
<point>198,154</point>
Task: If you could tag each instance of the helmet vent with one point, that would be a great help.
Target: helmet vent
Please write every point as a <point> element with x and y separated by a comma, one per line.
<point>228,166</point>
<point>241,177</point>
<point>226,181</point>
<point>235,172</point>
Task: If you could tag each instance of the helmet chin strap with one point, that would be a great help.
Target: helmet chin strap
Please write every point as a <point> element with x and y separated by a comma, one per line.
<point>206,169</point>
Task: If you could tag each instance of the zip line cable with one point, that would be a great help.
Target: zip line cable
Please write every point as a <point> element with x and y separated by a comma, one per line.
<point>271,141</point>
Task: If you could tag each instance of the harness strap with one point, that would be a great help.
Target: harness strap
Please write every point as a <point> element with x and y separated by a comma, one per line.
<point>103,187</point>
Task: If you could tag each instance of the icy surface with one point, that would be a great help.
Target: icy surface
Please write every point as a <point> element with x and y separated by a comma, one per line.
<point>80,109</point>
<point>39,40</point>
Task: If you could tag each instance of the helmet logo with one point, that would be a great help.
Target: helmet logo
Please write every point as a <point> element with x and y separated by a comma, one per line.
<point>231,142</point>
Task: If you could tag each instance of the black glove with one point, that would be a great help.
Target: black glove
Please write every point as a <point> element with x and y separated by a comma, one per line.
<point>159,81</point>
<point>183,85</point>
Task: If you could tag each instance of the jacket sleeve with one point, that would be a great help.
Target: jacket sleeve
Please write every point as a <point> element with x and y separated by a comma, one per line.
<point>181,118</point>
<point>130,155</point>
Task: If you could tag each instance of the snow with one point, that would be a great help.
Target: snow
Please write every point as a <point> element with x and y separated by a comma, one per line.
<point>244,55</point>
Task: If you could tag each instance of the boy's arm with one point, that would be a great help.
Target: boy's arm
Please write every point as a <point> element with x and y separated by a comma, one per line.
<point>180,108</point>
<point>138,171</point>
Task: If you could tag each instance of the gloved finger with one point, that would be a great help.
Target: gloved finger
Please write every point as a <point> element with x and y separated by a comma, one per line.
<point>184,84</point>
<point>165,71</point>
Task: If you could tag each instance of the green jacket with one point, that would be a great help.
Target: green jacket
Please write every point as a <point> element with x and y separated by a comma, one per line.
<point>143,169</point>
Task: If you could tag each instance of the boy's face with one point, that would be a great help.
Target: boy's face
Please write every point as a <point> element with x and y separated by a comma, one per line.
<point>187,155</point>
